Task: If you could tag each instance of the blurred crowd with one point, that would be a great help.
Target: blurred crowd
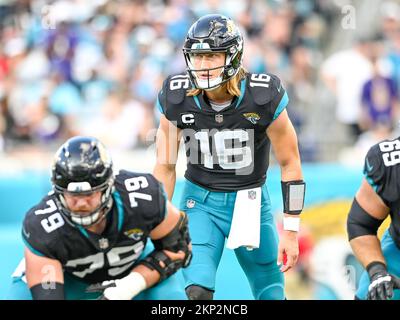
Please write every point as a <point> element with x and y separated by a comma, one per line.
<point>365,80</point>
<point>94,67</point>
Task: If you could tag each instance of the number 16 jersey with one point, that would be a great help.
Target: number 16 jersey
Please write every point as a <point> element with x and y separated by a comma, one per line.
<point>226,150</point>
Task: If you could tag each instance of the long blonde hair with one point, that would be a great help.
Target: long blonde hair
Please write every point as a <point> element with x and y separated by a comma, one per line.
<point>232,85</point>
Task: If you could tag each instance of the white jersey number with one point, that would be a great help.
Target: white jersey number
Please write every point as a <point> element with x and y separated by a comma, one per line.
<point>226,149</point>
<point>54,221</point>
<point>134,184</point>
<point>97,261</point>
<point>390,152</point>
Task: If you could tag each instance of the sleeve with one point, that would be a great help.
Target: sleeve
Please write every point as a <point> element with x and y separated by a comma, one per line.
<point>280,98</point>
<point>151,206</point>
<point>382,178</point>
<point>34,237</point>
<point>171,97</point>
<point>161,99</point>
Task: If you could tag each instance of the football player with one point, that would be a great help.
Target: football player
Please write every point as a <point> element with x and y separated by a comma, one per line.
<point>228,119</point>
<point>88,238</point>
<point>377,198</point>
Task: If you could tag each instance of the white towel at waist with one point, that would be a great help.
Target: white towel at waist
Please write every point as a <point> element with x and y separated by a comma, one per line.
<point>245,227</point>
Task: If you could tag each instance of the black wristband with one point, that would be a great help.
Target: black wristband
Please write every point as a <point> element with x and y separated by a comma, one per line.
<point>293,196</point>
<point>376,267</point>
<point>48,291</point>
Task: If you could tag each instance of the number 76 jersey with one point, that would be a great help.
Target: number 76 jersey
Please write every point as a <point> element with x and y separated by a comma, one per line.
<point>226,150</point>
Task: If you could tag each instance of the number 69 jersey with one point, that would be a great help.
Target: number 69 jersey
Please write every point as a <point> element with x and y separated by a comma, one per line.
<point>226,150</point>
<point>382,171</point>
<point>139,205</point>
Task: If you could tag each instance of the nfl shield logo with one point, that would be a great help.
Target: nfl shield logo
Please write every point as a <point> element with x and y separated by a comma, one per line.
<point>252,194</point>
<point>219,118</point>
<point>190,203</point>
<point>103,243</point>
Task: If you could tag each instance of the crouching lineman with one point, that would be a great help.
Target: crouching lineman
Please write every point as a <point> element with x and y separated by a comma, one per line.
<point>378,197</point>
<point>87,239</point>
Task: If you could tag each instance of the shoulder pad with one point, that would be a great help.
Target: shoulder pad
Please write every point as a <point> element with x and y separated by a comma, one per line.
<point>381,168</point>
<point>150,205</point>
<point>263,87</point>
<point>122,175</point>
<point>175,88</point>
<point>40,227</point>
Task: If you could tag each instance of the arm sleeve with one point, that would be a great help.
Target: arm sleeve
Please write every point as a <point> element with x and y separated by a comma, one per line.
<point>34,238</point>
<point>382,178</point>
<point>280,98</point>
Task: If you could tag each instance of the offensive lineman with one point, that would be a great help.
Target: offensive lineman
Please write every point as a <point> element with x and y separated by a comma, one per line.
<point>377,198</point>
<point>87,238</point>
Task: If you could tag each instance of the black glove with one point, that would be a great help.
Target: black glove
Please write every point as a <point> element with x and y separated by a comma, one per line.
<point>100,287</point>
<point>381,282</point>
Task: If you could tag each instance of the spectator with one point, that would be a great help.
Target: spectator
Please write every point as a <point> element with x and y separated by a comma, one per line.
<point>345,72</point>
<point>379,101</point>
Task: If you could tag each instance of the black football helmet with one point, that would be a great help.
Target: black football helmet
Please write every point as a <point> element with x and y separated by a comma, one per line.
<point>214,33</point>
<point>82,165</point>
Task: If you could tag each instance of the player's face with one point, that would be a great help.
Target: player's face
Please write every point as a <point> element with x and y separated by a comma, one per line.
<point>83,203</point>
<point>208,61</point>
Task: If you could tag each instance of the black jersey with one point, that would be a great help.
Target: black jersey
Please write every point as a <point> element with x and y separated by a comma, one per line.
<point>382,171</point>
<point>226,150</point>
<point>139,205</point>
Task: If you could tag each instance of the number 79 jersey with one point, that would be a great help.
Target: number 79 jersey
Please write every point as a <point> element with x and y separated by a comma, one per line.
<point>139,205</point>
<point>382,171</point>
<point>226,150</point>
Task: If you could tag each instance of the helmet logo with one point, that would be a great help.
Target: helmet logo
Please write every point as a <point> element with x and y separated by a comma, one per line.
<point>230,26</point>
<point>85,147</point>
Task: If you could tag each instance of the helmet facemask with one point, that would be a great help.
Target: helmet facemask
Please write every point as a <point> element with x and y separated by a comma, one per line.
<point>84,218</point>
<point>81,167</point>
<point>213,34</point>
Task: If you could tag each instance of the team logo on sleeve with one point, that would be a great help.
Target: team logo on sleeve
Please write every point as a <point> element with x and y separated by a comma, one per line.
<point>135,234</point>
<point>369,167</point>
<point>252,117</point>
<point>27,234</point>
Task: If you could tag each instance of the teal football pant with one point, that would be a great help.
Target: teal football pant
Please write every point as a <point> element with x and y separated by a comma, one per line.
<point>210,217</point>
